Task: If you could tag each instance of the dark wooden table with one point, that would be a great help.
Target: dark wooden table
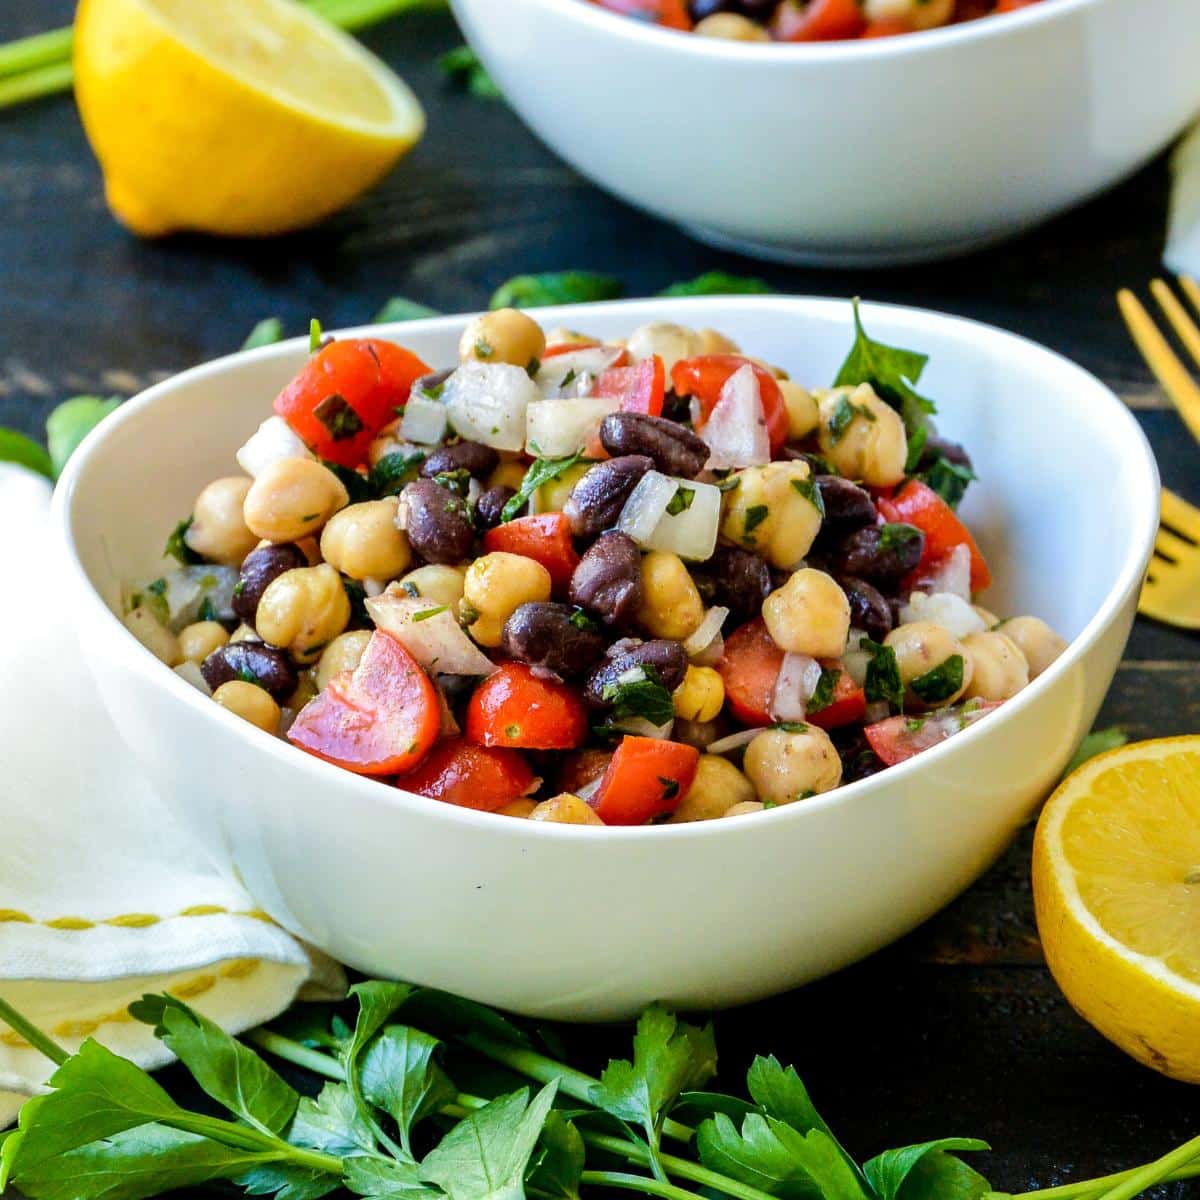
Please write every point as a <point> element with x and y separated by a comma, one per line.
<point>959,1029</point>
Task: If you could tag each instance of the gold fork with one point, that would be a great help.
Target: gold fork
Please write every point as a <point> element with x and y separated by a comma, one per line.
<point>1171,591</point>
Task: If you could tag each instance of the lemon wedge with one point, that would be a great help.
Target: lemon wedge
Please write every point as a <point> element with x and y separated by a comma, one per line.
<point>237,117</point>
<point>1116,880</point>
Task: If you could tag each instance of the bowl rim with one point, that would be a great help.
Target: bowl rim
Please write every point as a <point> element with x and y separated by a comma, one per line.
<point>695,310</point>
<point>602,20</point>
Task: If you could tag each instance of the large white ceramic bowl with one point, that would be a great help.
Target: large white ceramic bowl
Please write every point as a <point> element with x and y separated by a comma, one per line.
<point>851,153</point>
<point>588,923</point>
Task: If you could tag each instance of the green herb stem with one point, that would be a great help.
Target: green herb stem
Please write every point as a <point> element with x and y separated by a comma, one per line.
<point>636,1183</point>
<point>33,85</point>
<point>32,1034</point>
<point>297,1054</point>
<point>683,1168</point>
<point>360,14</point>
<point>38,50</point>
<point>1181,1163</point>
<point>245,1138</point>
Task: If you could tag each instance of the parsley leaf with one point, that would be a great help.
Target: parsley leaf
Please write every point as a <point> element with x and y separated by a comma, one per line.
<point>399,1075</point>
<point>1097,742</point>
<point>719,283</point>
<point>948,479</point>
<point>822,696</point>
<point>892,372</point>
<point>463,67</point>
<point>561,1150</point>
<point>927,1172</point>
<point>384,1180</point>
<point>843,416</point>
<point>177,547</point>
<point>314,336</point>
<point>400,308</point>
<point>681,501</point>
<point>642,697</point>
<point>389,475</point>
<point>267,332</point>
<point>555,287</point>
<point>25,452</point>
<point>332,1122</point>
<point>809,490</point>
<point>669,1057</point>
<point>756,514</point>
<point>541,470</point>
<point>69,423</point>
<point>883,674</point>
<point>426,613</point>
<point>942,682</point>
<point>896,535</point>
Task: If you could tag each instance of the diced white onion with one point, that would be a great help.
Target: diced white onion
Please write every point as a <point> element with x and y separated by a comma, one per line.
<point>271,442</point>
<point>486,403</point>
<point>877,710</point>
<point>711,654</point>
<point>437,642</point>
<point>589,789</point>
<point>735,741</point>
<point>706,631</point>
<point>177,597</point>
<point>640,727</point>
<point>953,574</point>
<point>589,361</point>
<point>854,660</point>
<point>646,505</point>
<point>799,675</point>
<point>556,428</point>
<point>190,672</point>
<point>736,430</point>
<point>424,421</point>
<point>946,609</point>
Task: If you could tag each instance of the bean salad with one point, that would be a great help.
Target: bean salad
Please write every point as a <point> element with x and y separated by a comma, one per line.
<point>593,582</point>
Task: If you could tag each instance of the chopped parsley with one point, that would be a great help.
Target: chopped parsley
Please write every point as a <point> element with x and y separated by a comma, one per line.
<point>338,417</point>
<point>390,474</point>
<point>941,683</point>
<point>568,378</point>
<point>883,674</point>
<point>458,480</point>
<point>177,547</point>
<point>484,348</point>
<point>207,611</point>
<point>468,614</point>
<point>357,595</point>
<point>822,696</point>
<point>809,490</point>
<point>948,479</point>
<point>898,536</point>
<point>358,487</point>
<point>643,696</point>
<point>314,336</point>
<point>681,501</point>
<point>843,415</point>
<point>728,483</point>
<point>533,366</point>
<point>248,676</point>
<point>434,390</point>
<point>791,726</point>
<point>670,787</point>
<point>756,514</point>
<point>581,620</point>
<point>425,614</point>
<point>541,470</point>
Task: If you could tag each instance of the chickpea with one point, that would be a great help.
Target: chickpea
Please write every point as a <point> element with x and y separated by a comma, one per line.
<point>521,807</point>
<point>784,766</point>
<point>388,441</point>
<point>250,702</point>
<point>560,335</point>
<point>700,696</point>
<point>306,690</point>
<point>862,436</point>
<point>671,604</point>
<point>772,511</point>
<point>921,647</point>
<point>199,640</point>
<point>244,633</point>
<point>342,654</point>
<point>565,809</point>
<point>732,26</point>
<point>669,342</point>
<point>495,586</point>
<point>155,636</point>
<point>1036,640</point>
<point>508,474</point>
<point>744,808</point>
<point>803,413</point>
<point>710,341</point>
<point>437,582</point>
<point>986,615</point>
<point>504,336</point>
<point>919,14</point>
<point>303,610</point>
<point>998,668</point>
<point>218,530</point>
<point>293,498</point>
<point>551,496</point>
<point>718,784</point>
<point>808,615</point>
<point>362,541</point>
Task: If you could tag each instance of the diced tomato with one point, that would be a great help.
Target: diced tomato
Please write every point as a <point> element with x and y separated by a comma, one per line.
<point>379,719</point>
<point>647,777</point>
<point>345,394</point>
<point>516,709</point>
<point>817,21</point>
<point>640,389</point>
<point>886,27</point>
<point>545,538</point>
<point>1007,6</point>
<point>705,376</point>
<point>896,739</point>
<point>459,772</point>
<point>847,706</point>
<point>672,14</point>
<point>749,667</point>
<point>919,505</point>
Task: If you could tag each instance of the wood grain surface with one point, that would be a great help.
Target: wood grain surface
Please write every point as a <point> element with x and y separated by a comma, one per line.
<point>959,1029</point>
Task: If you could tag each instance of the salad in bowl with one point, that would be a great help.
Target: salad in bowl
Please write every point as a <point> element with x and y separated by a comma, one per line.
<point>593,581</point>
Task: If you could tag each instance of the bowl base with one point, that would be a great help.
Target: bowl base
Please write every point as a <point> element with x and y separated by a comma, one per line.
<point>799,255</point>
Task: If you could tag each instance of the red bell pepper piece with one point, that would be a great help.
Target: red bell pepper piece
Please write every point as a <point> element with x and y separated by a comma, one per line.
<point>546,538</point>
<point>646,778</point>
<point>458,772</point>
<point>513,708</point>
<point>917,504</point>
<point>379,719</point>
<point>749,668</point>
<point>704,376</point>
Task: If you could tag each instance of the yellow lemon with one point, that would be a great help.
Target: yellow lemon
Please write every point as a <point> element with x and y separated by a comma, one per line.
<point>240,117</point>
<point>1116,881</point>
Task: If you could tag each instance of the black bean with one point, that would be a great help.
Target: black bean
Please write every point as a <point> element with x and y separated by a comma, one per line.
<point>552,636</point>
<point>491,504</point>
<point>596,501</point>
<point>880,551</point>
<point>253,662</point>
<point>674,449</point>
<point>668,659</point>
<point>259,568</point>
<point>742,578</point>
<point>608,580</point>
<point>847,506</point>
<point>869,609</point>
<point>436,521</point>
<point>859,761</point>
<point>473,457</point>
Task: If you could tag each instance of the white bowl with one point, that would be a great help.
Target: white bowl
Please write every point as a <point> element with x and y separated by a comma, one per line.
<point>587,923</point>
<point>851,153</point>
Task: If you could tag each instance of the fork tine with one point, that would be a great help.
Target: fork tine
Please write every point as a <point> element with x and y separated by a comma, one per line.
<point>1174,547</point>
<point>1183,325</point>
<point>1179,514</point>
<point>1162,360</point>
<point>1191,289</point>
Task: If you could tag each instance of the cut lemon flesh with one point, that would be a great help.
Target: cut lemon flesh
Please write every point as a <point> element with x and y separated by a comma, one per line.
<point>1117,886</point>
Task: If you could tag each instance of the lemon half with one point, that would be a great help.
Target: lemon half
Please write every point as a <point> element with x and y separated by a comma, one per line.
<point>241,117</point>
<point>1116,881</point>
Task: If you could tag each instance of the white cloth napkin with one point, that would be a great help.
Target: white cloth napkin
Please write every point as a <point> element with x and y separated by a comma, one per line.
<point>1182,254</point>
<point>102,896</point>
